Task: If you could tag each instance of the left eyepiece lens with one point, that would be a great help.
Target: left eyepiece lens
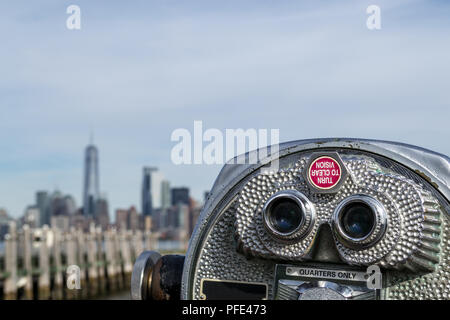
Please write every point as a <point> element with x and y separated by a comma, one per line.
<point>286,215</point>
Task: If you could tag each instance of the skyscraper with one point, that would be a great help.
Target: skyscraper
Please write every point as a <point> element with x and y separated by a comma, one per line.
<point>128,219</point>
<point>151,190</point>
<point>147,204</point>
<point>180,195</point>
<point>165,194</point>
<point>43,203</point>
<point>122,219</point>
<point>102,213</point>
<point>91,180</point>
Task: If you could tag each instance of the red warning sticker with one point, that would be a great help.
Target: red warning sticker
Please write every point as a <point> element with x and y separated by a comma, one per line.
<point>324,172</point>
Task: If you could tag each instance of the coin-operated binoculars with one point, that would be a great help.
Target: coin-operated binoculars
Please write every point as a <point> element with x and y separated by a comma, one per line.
<point>334,219</point>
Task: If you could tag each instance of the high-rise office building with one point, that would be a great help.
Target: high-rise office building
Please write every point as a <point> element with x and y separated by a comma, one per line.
<point>57,204</point>
<point>122,219</point>
<point>147,205</point>
<point>151,190</point>
<point>180,195</point>
<point>43,204</point>
<point>91,180</point>
<point>179,216</point>
<point>102,213</point>
<point>158,219</point>
<point>166,195</point>
<point>133,219</point>
<point>128,219</point>
<point>70,205</point>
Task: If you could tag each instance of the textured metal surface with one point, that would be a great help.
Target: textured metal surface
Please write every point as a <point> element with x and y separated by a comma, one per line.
<point>435,285</point>
<point>219,259</point>
<point>321,294</point>
<point>409,208</point>
<point>212,249</point>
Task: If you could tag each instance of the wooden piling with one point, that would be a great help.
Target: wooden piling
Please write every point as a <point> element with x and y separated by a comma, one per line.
<point>100,261</point>
<point>10,286</point>
<point>71,260</point>
<point>111,266</point>
<point>28,267</point>
<point>105,260</point>
<point>58,286</point>
<point>125,252</point>
<point>44,266</point>
<point>92,267</point>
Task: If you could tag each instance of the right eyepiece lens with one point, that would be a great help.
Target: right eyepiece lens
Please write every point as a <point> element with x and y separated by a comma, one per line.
<point>357,220</point>
<point>285,215</point>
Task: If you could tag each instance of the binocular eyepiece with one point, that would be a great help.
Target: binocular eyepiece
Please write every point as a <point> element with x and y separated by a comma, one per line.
<point>288,215</point>
<point>360,220</point>
<point>156,277</point>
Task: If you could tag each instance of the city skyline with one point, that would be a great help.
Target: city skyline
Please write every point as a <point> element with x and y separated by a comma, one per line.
<point>169,212</point>
<point>90,192</point>
<point>135,73</point>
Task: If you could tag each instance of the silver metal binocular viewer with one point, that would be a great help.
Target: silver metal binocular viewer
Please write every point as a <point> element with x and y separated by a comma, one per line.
<point>337,219</point>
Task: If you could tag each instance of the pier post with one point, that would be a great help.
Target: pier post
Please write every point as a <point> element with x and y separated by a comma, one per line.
<point>111,260</point>
<point>100,261</point>
<point>125,252</point>
<point>151,240</point>
<point>44,266</point>
<point>57,292</point>
<point>27,253</point>
<point>81,259</point>
<point>92,261</point>
<point>71,260</point>
<point>10,286</point>
<point>138,244</point>
<point>117,259</point>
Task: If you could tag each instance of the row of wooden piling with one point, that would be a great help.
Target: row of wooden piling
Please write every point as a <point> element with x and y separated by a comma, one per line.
<point>36,262</point>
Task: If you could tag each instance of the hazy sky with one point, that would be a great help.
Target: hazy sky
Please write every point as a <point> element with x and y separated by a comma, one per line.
<point>137,70</point>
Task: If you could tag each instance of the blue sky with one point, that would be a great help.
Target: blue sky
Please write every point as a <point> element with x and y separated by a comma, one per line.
<point>137,70</point>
